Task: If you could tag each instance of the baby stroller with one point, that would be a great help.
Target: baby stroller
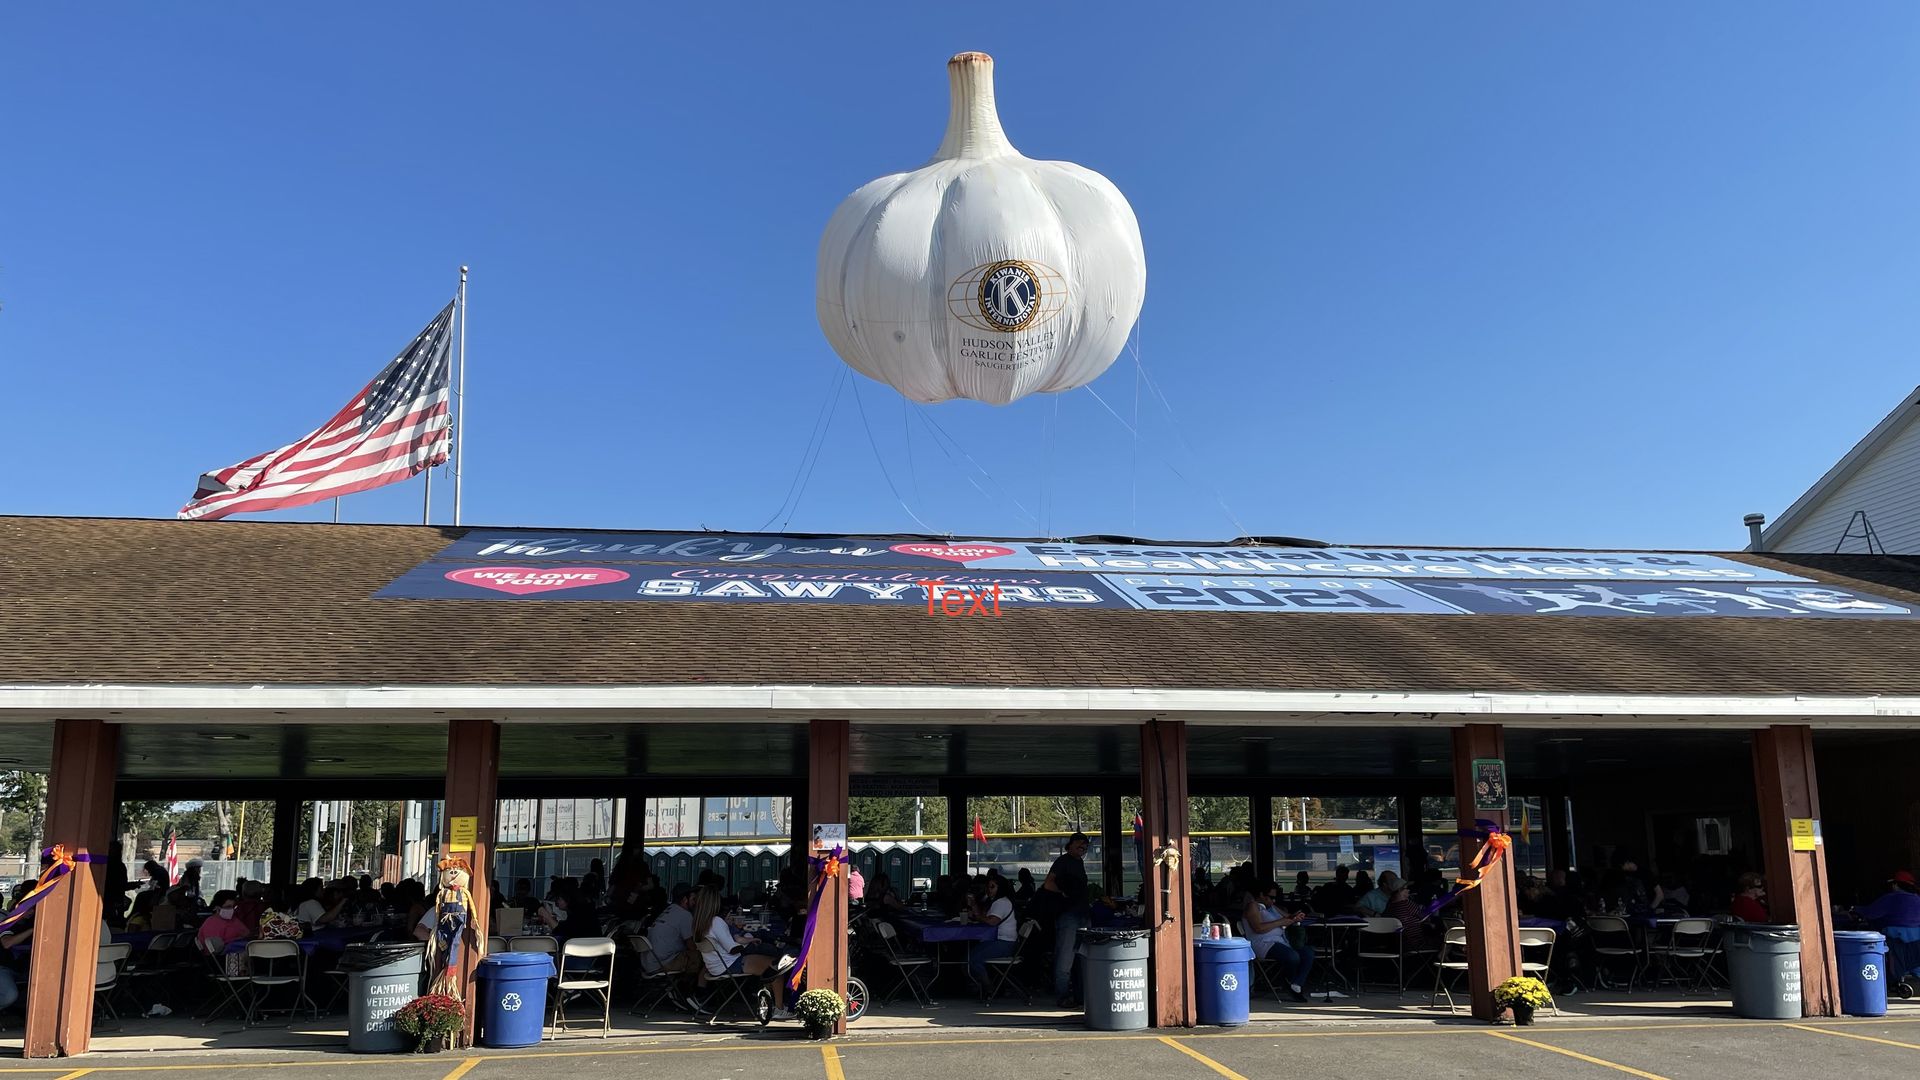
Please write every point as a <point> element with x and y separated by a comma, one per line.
<point>1903,959</point>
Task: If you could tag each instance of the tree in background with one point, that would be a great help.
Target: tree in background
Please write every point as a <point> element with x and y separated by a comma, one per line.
<point>23,812</point>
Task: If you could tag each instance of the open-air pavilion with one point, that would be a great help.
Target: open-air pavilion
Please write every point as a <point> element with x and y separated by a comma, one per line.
<point>133,651</point>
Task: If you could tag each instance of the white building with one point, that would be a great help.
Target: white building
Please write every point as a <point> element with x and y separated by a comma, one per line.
<point>1868,503</point>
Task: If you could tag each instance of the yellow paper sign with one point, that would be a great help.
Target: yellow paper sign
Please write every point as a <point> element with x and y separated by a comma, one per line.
<point>461,833</point>
<point>1806,833</point>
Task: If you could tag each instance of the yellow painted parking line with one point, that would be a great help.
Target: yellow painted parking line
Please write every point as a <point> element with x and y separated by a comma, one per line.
<point>62,1072</point>
<point>1203,1059</point>
<point>831,1059</point>
<point>1851,1035</point>
<point>1614,1065</point>
<point>463,1068</point>
<point>75,1074</point>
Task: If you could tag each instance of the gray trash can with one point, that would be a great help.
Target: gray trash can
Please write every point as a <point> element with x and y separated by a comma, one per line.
<point>1763,963</point>
<point>1113,973</point>
<point>380,979</point>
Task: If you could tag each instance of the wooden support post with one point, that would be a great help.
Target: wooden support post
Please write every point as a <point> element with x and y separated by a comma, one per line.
<point>283,866</point>
<point>1163,797</point>
<point>959,831</point>
<point>66,925</point>
<point>1796,880</point>
<point>1116,843</point>
<point>1492,910</point>
<point>1413,841</point>
<point>1260,835</point>
<point>828,764</point>
<point>473,782</point>
<point>634,826</point>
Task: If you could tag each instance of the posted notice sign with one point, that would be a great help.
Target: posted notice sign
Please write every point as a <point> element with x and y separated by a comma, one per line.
<point>1489,784</point>
<point>462,832</point>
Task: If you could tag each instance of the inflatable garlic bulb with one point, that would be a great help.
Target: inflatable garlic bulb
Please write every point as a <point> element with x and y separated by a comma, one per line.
<point>982,274</point>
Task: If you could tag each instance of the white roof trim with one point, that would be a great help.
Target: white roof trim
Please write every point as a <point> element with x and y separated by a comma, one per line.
<point>1842,471</point>
<point>916,704</point>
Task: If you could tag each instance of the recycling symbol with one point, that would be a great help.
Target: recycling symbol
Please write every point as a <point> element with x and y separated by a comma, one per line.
<point>510,1003</point>
<point>1870,972</point>
<point>1228,982</point>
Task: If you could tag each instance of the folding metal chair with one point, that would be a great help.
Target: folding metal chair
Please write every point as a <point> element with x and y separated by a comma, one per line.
<point>727,989</point>
<point>593,977</point>
<point>915,972</point>
<point>1380,940</point>
<point>496,944</point>
<point>534,943</point>
<point>106,974</point>
<point>273,963</point>
<point>656,985</point>
<point>150,967</point>
<point>1536,956</point>
<point>1003,966</point>
<point>1613,942</point>
<point>1452,957</point>
<point>1686,956</point>
<point>215,952</point>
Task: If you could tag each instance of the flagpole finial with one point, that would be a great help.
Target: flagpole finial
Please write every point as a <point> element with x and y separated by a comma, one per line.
<point>463,269</point>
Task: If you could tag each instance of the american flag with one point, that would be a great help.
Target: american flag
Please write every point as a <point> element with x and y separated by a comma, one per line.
<point>395,427</point>
<point>173,858</point>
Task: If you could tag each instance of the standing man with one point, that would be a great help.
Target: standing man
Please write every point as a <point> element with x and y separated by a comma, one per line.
<point>1068,877</point>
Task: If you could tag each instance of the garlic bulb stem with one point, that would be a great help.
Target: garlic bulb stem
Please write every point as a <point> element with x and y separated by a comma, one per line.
<point>973,122</point>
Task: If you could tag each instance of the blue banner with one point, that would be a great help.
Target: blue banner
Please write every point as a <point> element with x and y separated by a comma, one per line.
<point>956,592</point>
<point>740,584</point>
<point>1271,594</point>
<point>768,550</point>
<point>1643,598</point>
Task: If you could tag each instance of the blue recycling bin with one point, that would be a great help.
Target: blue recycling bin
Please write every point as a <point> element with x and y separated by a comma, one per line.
<point>1223,978</point>
<point>513,998</point>
<point>1862,957</point>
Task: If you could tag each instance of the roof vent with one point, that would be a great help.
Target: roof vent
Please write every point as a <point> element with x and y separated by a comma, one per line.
<point>1755,523</point>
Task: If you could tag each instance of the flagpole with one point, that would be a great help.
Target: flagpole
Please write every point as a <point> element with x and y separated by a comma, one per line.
<point>336,509</point>
<point>460,394</point>
<point>426,502</point>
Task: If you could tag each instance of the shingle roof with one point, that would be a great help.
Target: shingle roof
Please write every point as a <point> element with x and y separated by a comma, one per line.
<point>136,601</point>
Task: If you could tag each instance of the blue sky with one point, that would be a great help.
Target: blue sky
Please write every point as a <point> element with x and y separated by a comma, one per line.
<point>1603,275</point>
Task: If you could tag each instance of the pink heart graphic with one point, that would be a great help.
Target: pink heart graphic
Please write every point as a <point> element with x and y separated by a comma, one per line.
<point>522,580</point>
<point>958,553</point>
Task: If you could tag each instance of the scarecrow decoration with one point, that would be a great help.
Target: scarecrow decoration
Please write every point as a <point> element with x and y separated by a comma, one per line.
<point>453,907</point>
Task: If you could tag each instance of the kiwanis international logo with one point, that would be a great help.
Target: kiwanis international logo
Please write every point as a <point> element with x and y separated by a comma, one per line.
<point>1008,296</point>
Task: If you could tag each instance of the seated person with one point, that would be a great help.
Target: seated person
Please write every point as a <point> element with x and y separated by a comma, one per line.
<point>1413,920</point>
<point>1336,897</point>
<point>993,907</point>
<point>730,957</point>
<point>1302,887</point>
<point>1373,902</point>
<point>1900,906</point>
<point>523,897</point>
<point>1750,899</point>
<point>670,940</point>
<point>1266,929</point>
<point>882,896</point>
<point>321,906</point>
<point>224,926</point>
<point>570,914</point>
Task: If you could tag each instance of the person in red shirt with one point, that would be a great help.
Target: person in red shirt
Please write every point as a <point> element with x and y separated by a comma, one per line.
<point>1749,899</point>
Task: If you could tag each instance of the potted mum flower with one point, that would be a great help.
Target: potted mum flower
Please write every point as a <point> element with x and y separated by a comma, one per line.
<point>820,1010</point>
<point>1522,994</point>
<point>432,1020</point>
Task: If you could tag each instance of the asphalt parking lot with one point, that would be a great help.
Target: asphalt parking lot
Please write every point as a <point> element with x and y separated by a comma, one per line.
<point>1716,1050</point>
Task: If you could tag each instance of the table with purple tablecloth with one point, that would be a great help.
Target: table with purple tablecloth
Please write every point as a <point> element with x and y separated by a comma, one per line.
<point>939,931</point>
